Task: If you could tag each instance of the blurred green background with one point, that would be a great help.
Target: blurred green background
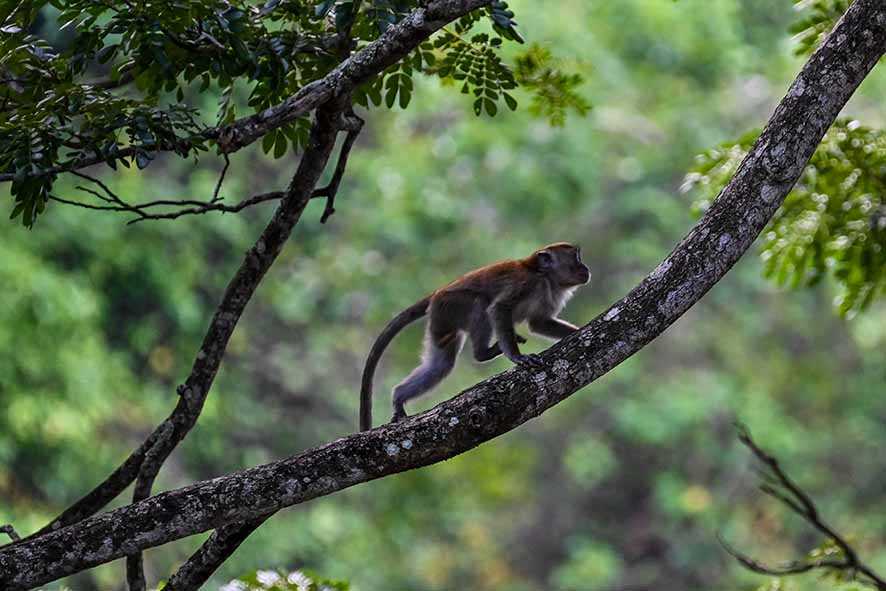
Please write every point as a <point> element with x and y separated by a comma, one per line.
<point>623,486</point>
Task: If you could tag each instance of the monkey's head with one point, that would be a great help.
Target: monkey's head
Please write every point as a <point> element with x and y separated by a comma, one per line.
<point>561,262</point>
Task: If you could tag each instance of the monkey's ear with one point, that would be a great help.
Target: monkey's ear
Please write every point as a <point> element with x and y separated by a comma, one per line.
<point>545,260</point>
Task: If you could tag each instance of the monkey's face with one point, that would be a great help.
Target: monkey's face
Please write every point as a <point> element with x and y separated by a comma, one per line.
<point>562,262</point>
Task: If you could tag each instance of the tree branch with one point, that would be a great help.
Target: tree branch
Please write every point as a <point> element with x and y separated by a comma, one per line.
<point>224,541</point>
<point>186,206</point>
<point>390,47</point>
<point>788,568</point>
<point>135,573</point>
<point>505,401</point>
<point>331,190</point>
<point>211,555</point>
<point>240,289</point>
<point>202,208</point>
<point>802,504</point>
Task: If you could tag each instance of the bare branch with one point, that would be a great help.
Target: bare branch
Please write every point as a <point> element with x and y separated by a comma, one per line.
<point>501,403</point>
<point>787,568</point>
<point>111,196</point>
<point>86,205</point>
<point>221,178</point>
<point>202,208</point>
<point>349,121</point>
<point>194,207</point>
<point>808,507</point>
<point>225,540</point>
<point>802,504</point>
<point>331,190</point>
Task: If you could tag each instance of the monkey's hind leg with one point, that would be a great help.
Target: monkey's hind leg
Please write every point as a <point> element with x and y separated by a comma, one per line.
<point>438,360</point>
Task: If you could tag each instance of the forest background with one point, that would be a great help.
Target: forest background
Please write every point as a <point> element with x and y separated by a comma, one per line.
<point>625,486</point>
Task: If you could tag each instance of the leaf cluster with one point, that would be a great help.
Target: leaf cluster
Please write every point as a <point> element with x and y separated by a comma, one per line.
<point>833,223</point>
<point>817,20</point>
<point>117,80</point>
<point>554,90</point>
<point>478,70</point>
<point>473,63</point>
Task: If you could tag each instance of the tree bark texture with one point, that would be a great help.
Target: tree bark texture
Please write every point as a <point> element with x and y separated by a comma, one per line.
<point>507,400</point>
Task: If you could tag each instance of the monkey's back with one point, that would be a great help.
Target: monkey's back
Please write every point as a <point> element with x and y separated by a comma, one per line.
<point>487,282</point>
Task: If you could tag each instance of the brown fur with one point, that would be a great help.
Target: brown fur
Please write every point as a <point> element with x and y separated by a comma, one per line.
<point>492,298</point>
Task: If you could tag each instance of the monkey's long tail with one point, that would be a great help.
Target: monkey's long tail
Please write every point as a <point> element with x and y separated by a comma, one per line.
<point>399,322</point>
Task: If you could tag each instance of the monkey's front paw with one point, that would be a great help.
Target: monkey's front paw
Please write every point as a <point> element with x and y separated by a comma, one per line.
<point>530,361</point>
<point>399,415</point>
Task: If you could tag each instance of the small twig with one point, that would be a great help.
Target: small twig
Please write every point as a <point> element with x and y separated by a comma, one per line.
<point>774,492</point>
<point>85,205</point>
<point>94,193</point>
<point>787,568</point>
<point>10,531</point>
<point>780,486</point>
<point>353,125</point>
<point>173,203</point>
<point>221,178</point>
<point>111,195</point>
<point>207,207</point>
<point>187,206</point>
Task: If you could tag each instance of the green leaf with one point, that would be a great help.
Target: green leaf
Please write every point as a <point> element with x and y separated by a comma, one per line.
<point>267,143</point>
<point>391,96</point>
<point>280,145</point>
<point>828,225</point>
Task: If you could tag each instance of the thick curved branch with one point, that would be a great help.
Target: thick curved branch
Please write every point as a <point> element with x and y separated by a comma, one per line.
<point>501,403</point>
<point>390,47</point>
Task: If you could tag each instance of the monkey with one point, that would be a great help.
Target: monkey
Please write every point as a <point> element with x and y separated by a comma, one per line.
<point>490,299</point>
